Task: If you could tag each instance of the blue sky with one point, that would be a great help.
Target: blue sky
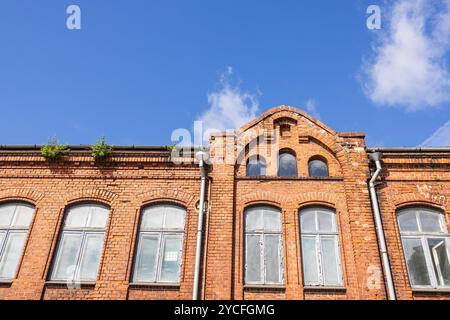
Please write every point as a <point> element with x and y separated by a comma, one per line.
<point>139,69</point>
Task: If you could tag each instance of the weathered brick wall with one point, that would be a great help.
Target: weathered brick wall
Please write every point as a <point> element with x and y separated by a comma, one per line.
<point>130,180</point>
<point>411,179</point>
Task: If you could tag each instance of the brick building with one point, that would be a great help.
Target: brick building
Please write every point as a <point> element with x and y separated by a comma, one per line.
<point>287,215</point>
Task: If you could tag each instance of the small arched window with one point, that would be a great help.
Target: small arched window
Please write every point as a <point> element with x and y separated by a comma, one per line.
<point>256,166</point>
<point>263,246</point>
<point>80,243</point>
<point>287,164</point>
<point>15,219</point>
<point>426,247</point>
<point>160,244</point>
<point>318,168</point>
<point>320,247</point>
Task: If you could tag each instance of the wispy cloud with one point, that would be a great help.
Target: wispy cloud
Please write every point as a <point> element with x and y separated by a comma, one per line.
<point>312,109</point>
<point>441,138</point>
<point>408,66</point>
<point>229,107</point>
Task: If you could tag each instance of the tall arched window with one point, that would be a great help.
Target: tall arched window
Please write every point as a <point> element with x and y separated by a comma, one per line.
<point>256,166</point>
<point>80,243</point>
<point>320,247</point>
<point>15,219</point>
<point>426,247</point>
<point>317,168</point>
<point>287,164</point>
<point>263,246</point>
<point>160,244</point>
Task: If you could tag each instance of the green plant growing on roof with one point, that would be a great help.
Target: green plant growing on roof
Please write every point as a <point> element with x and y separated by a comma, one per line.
<point>53,150</point>
<point>101,150</point>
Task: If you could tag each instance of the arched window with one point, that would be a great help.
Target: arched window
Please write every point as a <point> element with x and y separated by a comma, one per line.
<point>160,244</point>
<point>287,164</point>
<point>80,243</point>
<point>256,166</point>
<point>320,247</point>
<point>426,247</point>
<point>318,168</point>
<point>15,219</point>
<point>263,246</point>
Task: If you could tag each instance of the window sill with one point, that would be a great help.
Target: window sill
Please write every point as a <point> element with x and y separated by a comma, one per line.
<point>154,285</point>
<point>264,287</point>
<point>275,178</point>
<point>6,283</point>
<point>70,285</point>
<point>324,288</point>
<point>424,291</point>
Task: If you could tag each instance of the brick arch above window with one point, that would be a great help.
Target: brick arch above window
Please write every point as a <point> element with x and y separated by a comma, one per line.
<point>94,195</point>
<point>167,196</point>
<point>21,194</point>
<point>421,198</point>
<point>316,198</point>
<point>264,198</point>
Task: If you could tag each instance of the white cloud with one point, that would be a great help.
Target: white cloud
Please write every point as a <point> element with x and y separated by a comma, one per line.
<point>229,107</point>
<point>311,108</point>
<point>441,138</point>
<point>408,68</point>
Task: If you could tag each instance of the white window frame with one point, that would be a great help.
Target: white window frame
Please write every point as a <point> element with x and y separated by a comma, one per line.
<point>7,231</point>
<point>423,238</point>
<point>262,233</point>
<point>319,235</point>
<point>162,234</point>
<point>84,232</point>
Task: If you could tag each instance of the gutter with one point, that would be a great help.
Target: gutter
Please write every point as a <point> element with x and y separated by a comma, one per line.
<point>376,157</point>
<point>201,156</point>
<point>409,149</point>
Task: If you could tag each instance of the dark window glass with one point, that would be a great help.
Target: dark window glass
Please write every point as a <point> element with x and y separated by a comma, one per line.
<point>318,168</point>
<point>287,165</point>
<point>256,167</point>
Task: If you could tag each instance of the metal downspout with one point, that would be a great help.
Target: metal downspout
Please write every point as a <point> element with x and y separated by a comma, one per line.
<point>376,157</point>
<point>201,155</point>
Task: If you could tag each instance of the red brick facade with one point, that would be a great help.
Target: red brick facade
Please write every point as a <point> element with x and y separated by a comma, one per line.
<point>132,178</point>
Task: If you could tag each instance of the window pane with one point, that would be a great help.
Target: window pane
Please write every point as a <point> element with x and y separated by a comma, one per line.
<point>439,255</point>
<point>310,264</point>
<point>153,218</point>
<point>2,237</point>
<point>256,167</point>
<point>430,221</point>
<point>6,213</point>
<point>23,216</point>
<point>325,221</point>
<point>253,259</point>
<point>174,218</point>
<point>65,265</point>
<point>415,260</point>
<point>331,272</point>
<point>11,255</point>
<point>253,219</point>
<point>287,165</point>
<point>272,219</point>
<point>308,221</point>
<point>318,168</point>
<point>272,258</point>
<point>77,216</point>
<point>170,267</point>
<point>407,221</point>
<point>98,216</point>
<point>90,257</point>
<point>145,269</point>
